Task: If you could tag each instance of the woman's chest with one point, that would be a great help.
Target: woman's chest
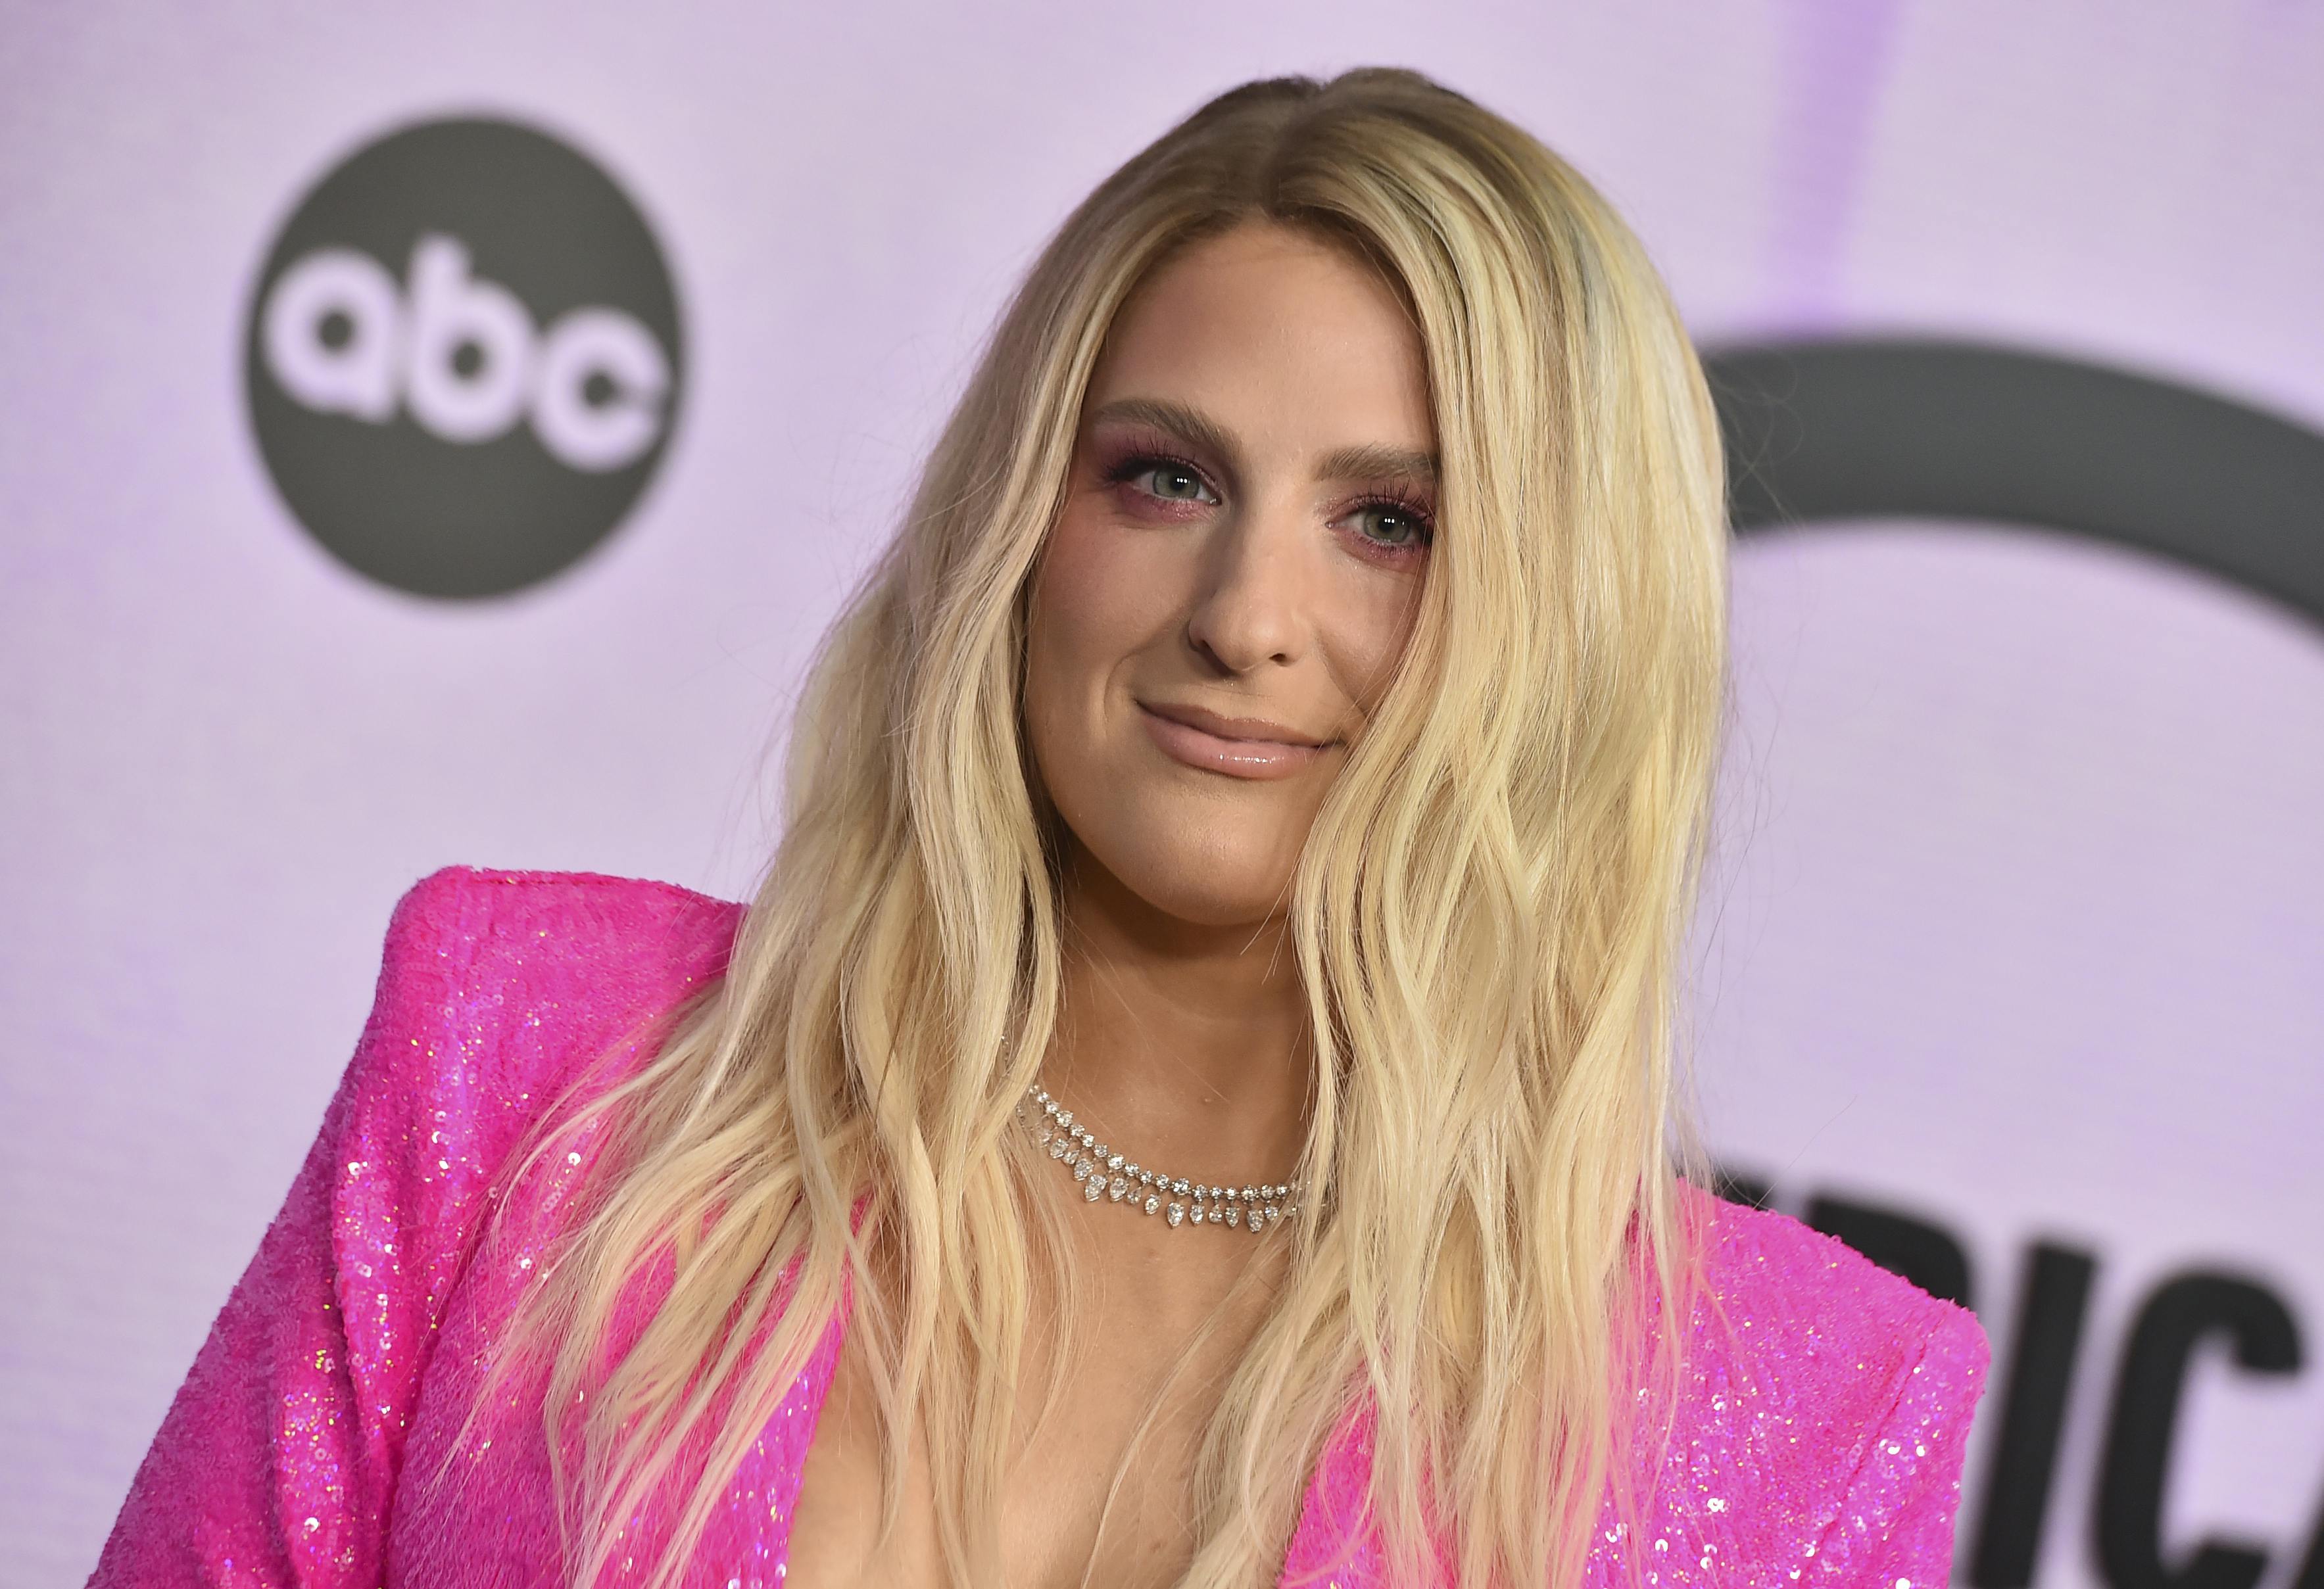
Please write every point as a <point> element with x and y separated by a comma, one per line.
<point>474,1500</point>
<point>1101,1485</point>
<point>1100,1490</point>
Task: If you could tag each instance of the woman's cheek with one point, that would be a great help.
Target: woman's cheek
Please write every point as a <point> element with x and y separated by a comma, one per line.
<point>1073,629</point>
<point>1104,589</point>
<point>1377,619</point>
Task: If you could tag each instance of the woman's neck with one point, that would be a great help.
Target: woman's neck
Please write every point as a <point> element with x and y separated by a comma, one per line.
<point>1185,1044</point>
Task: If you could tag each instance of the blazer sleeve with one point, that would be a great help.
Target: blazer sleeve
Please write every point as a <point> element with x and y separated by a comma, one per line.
<point>1894,1528</point>
<point>276,1463</point>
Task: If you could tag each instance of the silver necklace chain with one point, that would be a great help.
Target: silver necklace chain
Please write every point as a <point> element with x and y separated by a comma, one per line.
<point>1104,1173</point>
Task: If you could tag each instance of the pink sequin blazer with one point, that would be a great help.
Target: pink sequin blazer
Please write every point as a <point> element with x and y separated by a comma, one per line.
<point>1819,1444</point>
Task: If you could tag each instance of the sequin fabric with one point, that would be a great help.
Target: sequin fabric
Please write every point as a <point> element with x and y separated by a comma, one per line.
<point>316,1440</point>
<point>1816,1439</point>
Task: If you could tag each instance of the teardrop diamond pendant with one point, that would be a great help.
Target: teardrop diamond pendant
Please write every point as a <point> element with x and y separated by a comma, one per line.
<point>1112,1177</point>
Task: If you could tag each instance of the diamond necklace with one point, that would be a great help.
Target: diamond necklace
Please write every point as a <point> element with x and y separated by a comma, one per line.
<point>1104,1173</point>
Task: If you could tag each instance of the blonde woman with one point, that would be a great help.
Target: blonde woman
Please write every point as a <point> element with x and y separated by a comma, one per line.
<point>1192,1101</point>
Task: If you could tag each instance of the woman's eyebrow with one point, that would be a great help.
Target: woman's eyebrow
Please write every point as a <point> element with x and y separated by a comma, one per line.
<point>1375,463</point>
<point>1368,462</point>
<point>1190,424</point>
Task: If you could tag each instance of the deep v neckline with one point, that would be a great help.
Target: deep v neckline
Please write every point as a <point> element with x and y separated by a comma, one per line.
<point>1329,1504</point>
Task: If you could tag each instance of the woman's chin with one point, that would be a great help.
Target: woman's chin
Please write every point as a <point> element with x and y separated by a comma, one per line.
<point>1206,899</point>
<point>1213,912</point>
<point>1199,867</point>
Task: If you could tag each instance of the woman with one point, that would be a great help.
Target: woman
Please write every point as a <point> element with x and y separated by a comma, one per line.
<point>1190,1101</point>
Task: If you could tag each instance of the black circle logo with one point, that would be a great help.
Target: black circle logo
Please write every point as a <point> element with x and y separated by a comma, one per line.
<point>462,358</point>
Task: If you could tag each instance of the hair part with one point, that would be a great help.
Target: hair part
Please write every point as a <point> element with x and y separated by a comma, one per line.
<point>1490,916</point>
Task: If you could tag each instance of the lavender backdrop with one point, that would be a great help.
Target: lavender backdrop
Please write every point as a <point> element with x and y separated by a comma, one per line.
<point>2016,924</point>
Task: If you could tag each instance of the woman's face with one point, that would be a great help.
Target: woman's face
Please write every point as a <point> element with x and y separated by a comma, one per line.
<point>1235,572</point>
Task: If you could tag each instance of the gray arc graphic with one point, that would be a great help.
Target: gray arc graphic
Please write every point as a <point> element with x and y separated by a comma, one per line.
<point>1875,429</point>
<point>1889,428</point>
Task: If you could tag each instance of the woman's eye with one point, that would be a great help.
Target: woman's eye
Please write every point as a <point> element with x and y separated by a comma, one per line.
<point>1171,482</point>
<point>1392,526</point>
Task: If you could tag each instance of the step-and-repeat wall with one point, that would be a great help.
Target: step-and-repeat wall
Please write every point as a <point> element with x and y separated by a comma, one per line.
<point>441,437</point>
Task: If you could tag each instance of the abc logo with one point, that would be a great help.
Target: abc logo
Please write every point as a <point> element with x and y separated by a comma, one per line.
<point>462,356</point>
<point>463,361</point>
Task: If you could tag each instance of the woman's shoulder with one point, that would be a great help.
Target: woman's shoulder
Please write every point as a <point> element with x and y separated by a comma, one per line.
<point>503,981</point>
<point>1826,1401</point>
<point>1800,1291</point>
<point>549,924</point>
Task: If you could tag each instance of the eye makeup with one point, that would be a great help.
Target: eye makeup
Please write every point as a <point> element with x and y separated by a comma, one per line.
<point>1124,461</point>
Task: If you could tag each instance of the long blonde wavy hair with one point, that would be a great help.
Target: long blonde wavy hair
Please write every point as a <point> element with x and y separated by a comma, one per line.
<point>1489,917</point>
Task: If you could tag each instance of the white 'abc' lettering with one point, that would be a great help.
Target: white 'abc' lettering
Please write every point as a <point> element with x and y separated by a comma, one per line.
<point>582,345</point>
<point>451,313</point>
<point>357,376</point>
<point>462,357</point>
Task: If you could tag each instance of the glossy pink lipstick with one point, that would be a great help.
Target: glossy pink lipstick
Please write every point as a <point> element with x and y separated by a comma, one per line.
<point>1238,746</point>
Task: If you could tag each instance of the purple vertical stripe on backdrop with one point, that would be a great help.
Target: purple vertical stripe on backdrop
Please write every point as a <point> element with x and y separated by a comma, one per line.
<point>1834,62</point>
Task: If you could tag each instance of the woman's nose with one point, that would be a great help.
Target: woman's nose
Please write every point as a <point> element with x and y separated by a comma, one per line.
<point>1250,606</point>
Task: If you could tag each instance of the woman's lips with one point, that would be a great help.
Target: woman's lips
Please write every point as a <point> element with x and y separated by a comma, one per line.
<point>1239,758</point>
